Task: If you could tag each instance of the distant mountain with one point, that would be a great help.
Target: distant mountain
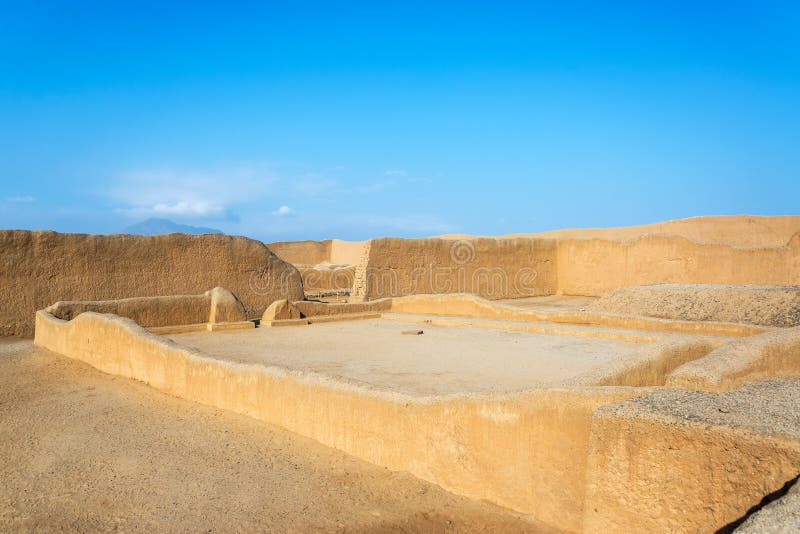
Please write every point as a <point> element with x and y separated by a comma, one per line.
<point>154,226</point>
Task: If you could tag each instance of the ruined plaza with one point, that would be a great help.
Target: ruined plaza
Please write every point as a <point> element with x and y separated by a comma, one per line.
<point>617,380</point>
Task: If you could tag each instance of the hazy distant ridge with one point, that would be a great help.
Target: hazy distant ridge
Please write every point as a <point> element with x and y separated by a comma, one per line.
<point>155,226</point>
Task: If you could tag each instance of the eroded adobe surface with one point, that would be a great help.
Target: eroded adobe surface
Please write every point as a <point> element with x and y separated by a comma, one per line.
<point>735,250</point>
<point>666,407</point>
<point>40,268</point>
<point>515,405</point>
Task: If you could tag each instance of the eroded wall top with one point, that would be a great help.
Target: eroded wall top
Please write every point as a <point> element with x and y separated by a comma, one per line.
<point>740,230</point>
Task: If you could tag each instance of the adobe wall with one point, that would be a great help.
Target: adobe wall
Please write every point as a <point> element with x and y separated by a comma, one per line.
<point>450,441</point>
<point>324,282</point>
<point>38,268</point>
<point>334,251</point>
<point>216,305</point>
<point>522,267</point>
<point>302,252</point>
<point>582,458</point>
<point>491,268</point>
<point>319,309</point>
<point>592,267</point>
<point>687,462</point>
<point>739,230</point>
<point>345,252</point>
<point>473,306</point>
<point>738,362</point>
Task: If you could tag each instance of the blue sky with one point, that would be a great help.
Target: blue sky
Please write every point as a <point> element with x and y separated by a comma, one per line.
<point>298,120</point>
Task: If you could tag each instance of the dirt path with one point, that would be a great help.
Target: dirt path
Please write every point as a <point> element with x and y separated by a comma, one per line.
<point>84,451</point>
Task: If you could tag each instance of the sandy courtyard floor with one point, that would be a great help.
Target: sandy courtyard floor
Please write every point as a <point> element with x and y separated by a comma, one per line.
<point>444,360</point>
<point>85,451</point>
<point>551,303</point>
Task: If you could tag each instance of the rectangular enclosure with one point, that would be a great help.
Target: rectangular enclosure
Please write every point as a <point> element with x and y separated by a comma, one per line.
<point>443,360</point>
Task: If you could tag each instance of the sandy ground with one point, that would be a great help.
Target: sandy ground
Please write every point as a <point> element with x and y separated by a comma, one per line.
<point>779,517</point>
<point>551,303</point>
<point>85,451</point>
<point>444,360</point>
<point>769,406</point>
<point>761,305</point>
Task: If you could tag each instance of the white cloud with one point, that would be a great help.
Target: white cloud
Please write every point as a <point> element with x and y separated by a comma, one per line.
<point>217,193</point>
<point>177,209</point>
<point>236,198</point>
<point>189,194</point>
<point>202,209</point>
<point>375,187</point>
<point>20,200</point>
<point>283,211</point>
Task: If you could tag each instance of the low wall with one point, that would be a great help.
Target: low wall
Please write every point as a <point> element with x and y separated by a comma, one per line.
<point>319,309</point>
<point>451,441</point>
<point>652,471</point>
<point>216,305</point>
<point>473,306</point>
<point>580,458</point>
<point>738,362</point>
<point>663,358</point>
<point>39,268</point>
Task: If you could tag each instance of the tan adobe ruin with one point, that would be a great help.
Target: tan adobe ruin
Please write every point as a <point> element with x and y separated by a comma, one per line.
<point>592,381</point>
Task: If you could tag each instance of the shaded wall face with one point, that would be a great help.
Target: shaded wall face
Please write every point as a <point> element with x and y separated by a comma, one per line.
<point>327,281</point>
<point>40,268</point>
<point>491,268</point>
<point>595,266</point>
